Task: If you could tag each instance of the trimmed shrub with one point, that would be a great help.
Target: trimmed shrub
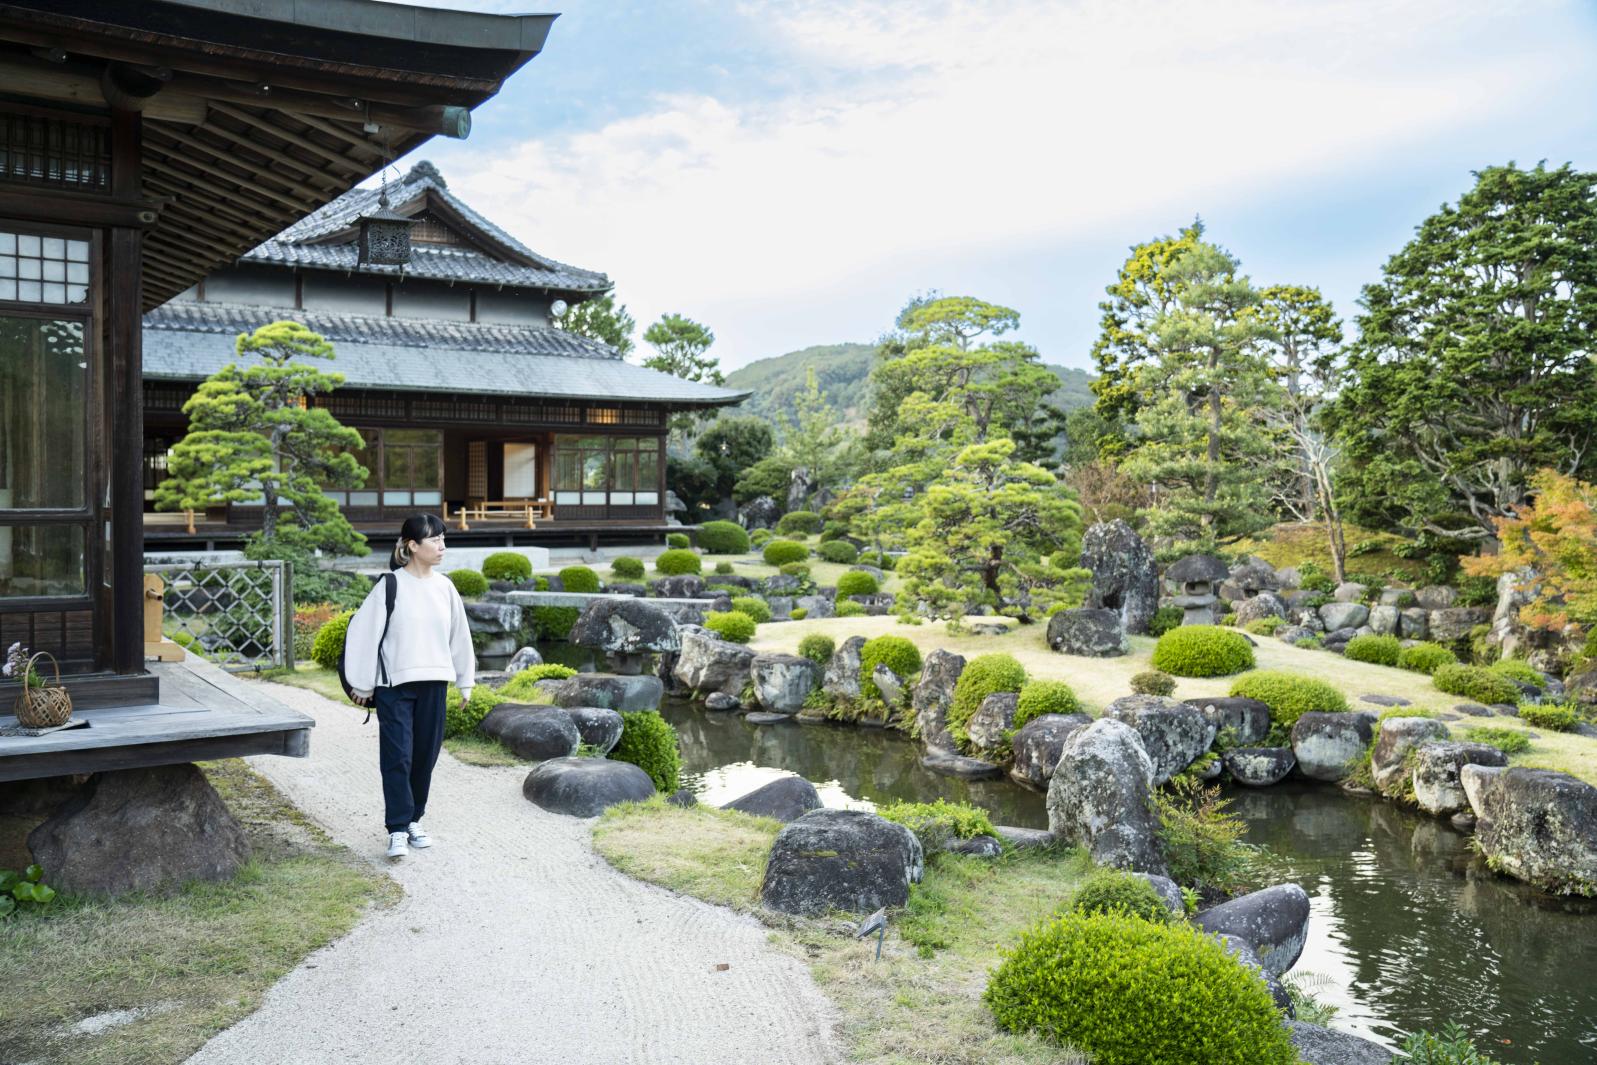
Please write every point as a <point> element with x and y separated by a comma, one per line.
<point>1550,716</point>
<point>1425,657</point>
<point>649,742</point>
<point>1114,891</point>
<point>1518,669</point>
<point>983,675</point>
<point>799,613</point>
<point>780,552</point>
<point>795,569</point>
<point>1507,740</point>
<point>627,568</point>
<point>676,562</point>
<point>896,653</point>
<point>329,642</point>
<point>847,608</point>
<point>723,568</point>
<point>723,538</point>
<point>834,530</point>
<point>760,537</point>
<point>554,622</point>
<point>936,823</point>
<point>1264,626</point>
<point>468,582</point>
<point>678,540</point>
<point>521,687</point>
<point>856,583</point>
<point>730,625</point>
<point>802,522</point>
<point>1118,988</point>
<point>1475,682</point>
<point>840,551</point>
<point>579,579</point>
<point>1202,651</point>
<point>1152,682</point>
<point>1289,696</point>
<point>1164,620</point>
<point>461,719</point>
<point>1380,650</point>
<point>881,561</point>
<point>1039,697</point>
<point>752,607</point>
<point>507,566</point>
<point>817,647</point>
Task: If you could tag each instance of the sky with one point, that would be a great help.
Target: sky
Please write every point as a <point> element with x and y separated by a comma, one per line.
<point>791,172</point>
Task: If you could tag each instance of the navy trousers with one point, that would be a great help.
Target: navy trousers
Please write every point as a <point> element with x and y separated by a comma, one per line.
<point>410,732</point>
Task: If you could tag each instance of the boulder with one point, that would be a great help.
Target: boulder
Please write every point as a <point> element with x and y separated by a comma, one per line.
<point>1274,922</point>
<point>1343,615</point>
<point>1259,767</point>
<point>1386,620</point>
<point>597,725</point>
<point>524,658</point>
<point>139,830</point>
<point>815,606</point>
<point>1125,578</point>
<point>841,679</point>
<point>1261,606</point>
<point>785,799</point>
<point>1414,623</point>
<point>721,701</point>
<point>890,684</point>
<point>585,787</point>
<point>1091,631</point>
<point>1100,798</point>
<point>1436,597</point>
<point>493,618</point>
<point>1324,1046</point>
<point>781,607</point>
<point>680,586</point>
<point>1039,744</point>
<point>683,798</point>
<point>953,764</point>
<point>1454,623</point>
<point>1024,838</point>
<point>707,663</point>
<point>992,721</point>
<point>933,695</point>
<point>1254,575</point>
<point>626,630</point>
<point>1385,700</point>
<point>533,732</point>
<point>1338,640</point>
<point>1239,949</point>
<point>1350,592</point>
<point>783,584</point>
<point>616,691</point>
<point>761,512</point>
<point>1437,788</point>
<point>1296,635</point>
<point>1538,825</point>
<point>762,717</point>
<point>783,682</point>
<point>1173,734</point>
<point>1168,891</point>
<point>637,591</point>
<point>841,860</point>
<point>1249,719</point>
<point>1399,736</point>
<point>1326,744</point>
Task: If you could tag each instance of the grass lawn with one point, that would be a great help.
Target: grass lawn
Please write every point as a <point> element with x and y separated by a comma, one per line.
<point>922,1001</point>
<point>1294,543</point>
<point>187,965</point>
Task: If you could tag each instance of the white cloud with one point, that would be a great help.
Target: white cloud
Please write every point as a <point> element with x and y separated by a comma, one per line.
<point>937,131</point>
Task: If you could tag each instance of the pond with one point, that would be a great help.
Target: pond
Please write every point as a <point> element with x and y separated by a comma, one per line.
<point>1410,930</point>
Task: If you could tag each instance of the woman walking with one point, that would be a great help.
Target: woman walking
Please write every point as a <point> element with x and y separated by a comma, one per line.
<point>403,663</point>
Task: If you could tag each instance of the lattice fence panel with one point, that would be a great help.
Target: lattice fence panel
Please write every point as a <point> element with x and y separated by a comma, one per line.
<point>237,614</point>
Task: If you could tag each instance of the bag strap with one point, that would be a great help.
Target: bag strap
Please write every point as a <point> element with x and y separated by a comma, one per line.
<point>390,595</point>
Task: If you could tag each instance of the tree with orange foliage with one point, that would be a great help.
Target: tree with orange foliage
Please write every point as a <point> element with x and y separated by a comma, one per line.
<point>1555,537</point>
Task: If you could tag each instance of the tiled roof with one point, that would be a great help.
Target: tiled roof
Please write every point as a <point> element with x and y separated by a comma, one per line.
<point>186,341</point>
<point>444,262</point>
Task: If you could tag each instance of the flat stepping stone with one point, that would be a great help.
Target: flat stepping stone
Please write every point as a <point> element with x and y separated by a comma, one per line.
<point>1385,700</point>
<point>1474,710</point>
<point>958,765</point>
<point>763,718</point>
<point>585,787</point>
<point>1024,837</point>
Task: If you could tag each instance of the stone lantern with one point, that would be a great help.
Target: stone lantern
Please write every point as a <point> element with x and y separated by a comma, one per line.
<point>1197,579</point>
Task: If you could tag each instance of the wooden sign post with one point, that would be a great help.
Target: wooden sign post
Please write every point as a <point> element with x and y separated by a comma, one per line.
<point>156,645</point>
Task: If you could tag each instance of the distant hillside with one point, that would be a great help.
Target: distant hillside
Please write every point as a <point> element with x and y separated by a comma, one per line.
<point>842,371</point>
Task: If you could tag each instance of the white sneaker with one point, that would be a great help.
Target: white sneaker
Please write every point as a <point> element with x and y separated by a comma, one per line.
<point>397,845</point>
<point>418,837</point>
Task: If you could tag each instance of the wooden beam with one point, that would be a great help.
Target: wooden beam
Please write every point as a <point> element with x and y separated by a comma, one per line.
<point>240,141</point>
<point>50,205</point>
<point>247,226</point>
<point>162,166</point>
<point>308,200</point>
<point>72,86</point>
<point>348,137</point>
<point>345,163</point>
<point>211,220</point>
<point>450,120</point>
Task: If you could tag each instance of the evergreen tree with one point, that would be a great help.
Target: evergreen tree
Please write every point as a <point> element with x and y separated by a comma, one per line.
<point>680,346</point>
<point>601,319</point>
<point>815,439</point>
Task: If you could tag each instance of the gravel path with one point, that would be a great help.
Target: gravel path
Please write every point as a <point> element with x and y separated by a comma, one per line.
<point>514,943</point>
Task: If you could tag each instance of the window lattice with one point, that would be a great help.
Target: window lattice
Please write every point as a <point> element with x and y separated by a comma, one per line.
<point>53,152</point>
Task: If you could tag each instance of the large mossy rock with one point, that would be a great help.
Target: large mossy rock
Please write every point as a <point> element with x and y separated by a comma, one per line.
<point>1399,736</point>
<point>1274,922</point>
<point>1089,631</point>
<point>1325,1046</point>
<point>1437,787</point>
<point>1125,578</point>
<point>625,629</point>
<point>585,787</point>
<point>533,731</point>
<point>783,682</point>
<point>841,678</point>
<point>1173,734</point>
<point>933,695</point>
<point>706,663</point>
<point>1248,719</point>
<point>1538,825</point>
<point>1264,605</point>
<point>140,830</point>
<point>1040,743</point>
<point>1327,744</point>
<point>1100,798</point>
<point>598,726</point>
<point>784,799</point>
<point>848,860</point>
<point>1339,615</point>
<point>1259,767</point>
<point>613,690</point>
<point>990,725</point>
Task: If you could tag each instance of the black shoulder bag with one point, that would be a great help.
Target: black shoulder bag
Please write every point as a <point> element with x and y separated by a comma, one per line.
<point>390,593</point>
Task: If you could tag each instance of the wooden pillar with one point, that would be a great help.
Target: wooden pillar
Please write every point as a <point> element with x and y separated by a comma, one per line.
<point>125,448</point>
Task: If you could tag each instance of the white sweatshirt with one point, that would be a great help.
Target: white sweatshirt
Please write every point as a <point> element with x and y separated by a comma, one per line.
<point>428,639</point>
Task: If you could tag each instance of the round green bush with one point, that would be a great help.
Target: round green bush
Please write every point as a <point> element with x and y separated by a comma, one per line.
<point>522,687</point>
<point>678,540</point>
<point>840,551</point>
<point>329,642</point>
<point>1114,891</point>
<point>579,579</point>
<point>896,653</point>
<point>1549,716</point>
<point>649,742</point>
<point>855,582</point>
<point>1381,650</point>
<point>780,552</point>
<point>1264,626</point>
<point>1039,697</point>
<point>982,676</point>
<point>1424,657</point>
<point>723,538</point>
<point>880,561</point>
<point>675,562</point>
<point>462,719</point>
<point>760,537</point>
<point>1288,695</point>
<point>1202,651</point>
<point>507,566</point>
<point>802,522</point>
<point>627,568</point>
<point>1164,619</point>
<point>795,569</point>
<point>723,568</point>
<point>1476,683</point>
<point>799,613</point>
<point>752,607</point>
<point>1518,669</point>
<point>730,625</point>
<point>1152,682</point>
<point>834,530</point>
<point>817,647</point>
<point>469,583</point>
<point>1126,991</point>
<point>847,608</point>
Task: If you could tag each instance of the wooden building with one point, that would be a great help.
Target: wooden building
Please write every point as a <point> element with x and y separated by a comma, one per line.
<point>471,403</point>
<point>142,146</point>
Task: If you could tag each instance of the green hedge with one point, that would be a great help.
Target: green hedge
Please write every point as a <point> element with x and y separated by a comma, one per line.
<point>1425,657</point>
<point>579,579</point>
<point>1039,697</point>
<point>1130,992</point>
<point>507,566</point>
<point>554,622</point>
<point>847,608</point>
<point>627,568</point>
<point>760,537</point>
<point>469,583</point>
<point>679,541</point>
<point>855,582</point>
<point>1152,682</point>
<point>1518,669</point>
<point>896,653</point>
<point>840,551</point>
<point>1289,696</point>
<point>780,552</point>
<point>817,647</point>
<point>802,522</point>
<point>1202,651</point>
<point>649,742</point>
<point>723,538</point>
<point>329,642</point>
<point>731,625</point>
<point>723,567</point>
<point>676,562</point>
<point>753,607</point>
<point>462,719</point>
<point>521,687</point>
<point>1165,619</point>
<point>1381,650</point>
<point>982,676</point>
<point>1476,683</point>
<point>1116,891</point>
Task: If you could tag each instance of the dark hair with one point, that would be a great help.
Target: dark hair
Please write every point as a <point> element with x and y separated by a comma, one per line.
<point>416,527</point>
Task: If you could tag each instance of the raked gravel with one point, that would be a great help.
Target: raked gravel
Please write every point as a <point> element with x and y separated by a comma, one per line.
<point>514,942</point>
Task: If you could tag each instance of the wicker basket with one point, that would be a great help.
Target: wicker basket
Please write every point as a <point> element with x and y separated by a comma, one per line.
<point>40,706</point>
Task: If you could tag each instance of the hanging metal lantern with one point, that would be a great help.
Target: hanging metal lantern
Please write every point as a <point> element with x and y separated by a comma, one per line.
<point>384,236</point>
